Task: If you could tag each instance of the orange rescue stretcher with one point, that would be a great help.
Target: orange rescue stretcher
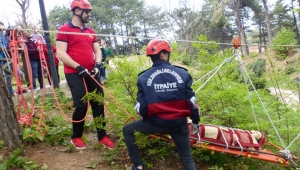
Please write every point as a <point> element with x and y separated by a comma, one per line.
<point>234,141</point>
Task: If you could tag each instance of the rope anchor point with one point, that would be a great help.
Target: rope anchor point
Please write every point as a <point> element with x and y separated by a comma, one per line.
<point>236,42</point>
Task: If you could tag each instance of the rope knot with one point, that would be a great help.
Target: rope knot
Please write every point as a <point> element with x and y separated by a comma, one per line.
<point>227,60</point>
<point>285,153</point>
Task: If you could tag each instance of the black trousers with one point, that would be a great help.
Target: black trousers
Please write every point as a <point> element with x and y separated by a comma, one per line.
<point>78,91</point>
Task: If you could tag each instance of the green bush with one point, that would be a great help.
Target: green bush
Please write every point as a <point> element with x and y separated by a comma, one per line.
<point>258,67</point>
<point>289,70</point>
<point>252,54</point>
<point>283,43</point>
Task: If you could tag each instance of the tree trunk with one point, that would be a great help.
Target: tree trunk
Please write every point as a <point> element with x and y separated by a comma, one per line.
<point>24,5</point>
<point>295,21</point>
<point>260,35</point>
<point>268,22</point>
<point>264,37</point>
<point>115,41</point>
<point>299,12</point>
<point>10,131</point>
<point>237,13</point>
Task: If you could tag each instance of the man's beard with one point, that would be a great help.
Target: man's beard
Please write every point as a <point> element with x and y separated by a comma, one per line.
<point>86,20</point>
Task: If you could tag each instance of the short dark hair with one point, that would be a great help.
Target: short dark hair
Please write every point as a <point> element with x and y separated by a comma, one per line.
<point>156,57</point>
<point>74,9</point>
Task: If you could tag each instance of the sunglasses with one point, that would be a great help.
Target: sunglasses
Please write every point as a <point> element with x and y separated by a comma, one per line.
<point>87,11</point>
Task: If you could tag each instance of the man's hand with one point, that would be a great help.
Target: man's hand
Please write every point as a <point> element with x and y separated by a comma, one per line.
<point>96,69</point>
<point>82,71</point>
<point>137,110</point>
<point>195,128</point>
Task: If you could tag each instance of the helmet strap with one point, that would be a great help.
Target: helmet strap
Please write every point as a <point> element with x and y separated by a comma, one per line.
<point>80,16</point>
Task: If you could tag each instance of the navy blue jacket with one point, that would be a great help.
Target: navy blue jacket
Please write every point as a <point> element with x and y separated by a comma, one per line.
<point>165,95</point>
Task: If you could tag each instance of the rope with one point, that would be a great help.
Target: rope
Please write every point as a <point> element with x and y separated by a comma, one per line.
<point>216,70</point>
<point>264,108</point>
<point>238,58</point>
<point>150,38</point>
<point>245,77</point>
<point>20,98</point>
<point>15,53</point>
<point>110,95</point>
<point>293,141</point>
<point>59,106</point>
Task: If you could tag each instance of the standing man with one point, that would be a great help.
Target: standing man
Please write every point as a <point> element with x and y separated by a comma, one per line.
<point>81,56</point>
<point>165,99</point>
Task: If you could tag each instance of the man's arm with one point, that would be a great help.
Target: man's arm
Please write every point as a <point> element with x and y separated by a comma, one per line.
<point>97,51</point>
<point>195,110</point>
<point>61,53</point>
<point>142,103</point>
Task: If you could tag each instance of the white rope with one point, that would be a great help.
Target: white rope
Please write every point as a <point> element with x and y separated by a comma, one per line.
<point>286,153</point>
<point>216,70</point>
<point>241,63</point>
<point>245,77</point>
<point>264,108</point>
<point>150,38</point>
<point>200,79</point>
<point>293,141</point>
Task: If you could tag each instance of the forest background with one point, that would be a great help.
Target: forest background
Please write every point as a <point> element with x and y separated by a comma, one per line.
<point>201,40</point>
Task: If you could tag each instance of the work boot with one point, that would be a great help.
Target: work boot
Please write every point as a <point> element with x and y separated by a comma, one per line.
<point>135,168</point>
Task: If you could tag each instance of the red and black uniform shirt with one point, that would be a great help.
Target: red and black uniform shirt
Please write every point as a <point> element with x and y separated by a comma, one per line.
<point>80,47</point>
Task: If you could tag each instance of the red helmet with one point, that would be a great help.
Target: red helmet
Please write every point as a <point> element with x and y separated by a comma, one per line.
<point>156,45</point>
<point>83,4</point>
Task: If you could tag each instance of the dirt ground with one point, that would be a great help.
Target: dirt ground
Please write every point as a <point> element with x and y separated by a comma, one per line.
<point>60,158</point>
<point>64,158</point>
<point>93,157</point>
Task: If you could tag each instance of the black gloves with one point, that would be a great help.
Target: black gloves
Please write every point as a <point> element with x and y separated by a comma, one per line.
<point>82,71</point>
<point>96,69</point>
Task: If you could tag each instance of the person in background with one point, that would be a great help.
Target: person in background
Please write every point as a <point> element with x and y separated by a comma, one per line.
<point>3,46</point>
<point>36,35</point>
<point>81,56</point>
<point>38,38</point>
<point>34,58</point>
<point>164,108</point>
<point>102,45</point>
<point>107,52</point>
